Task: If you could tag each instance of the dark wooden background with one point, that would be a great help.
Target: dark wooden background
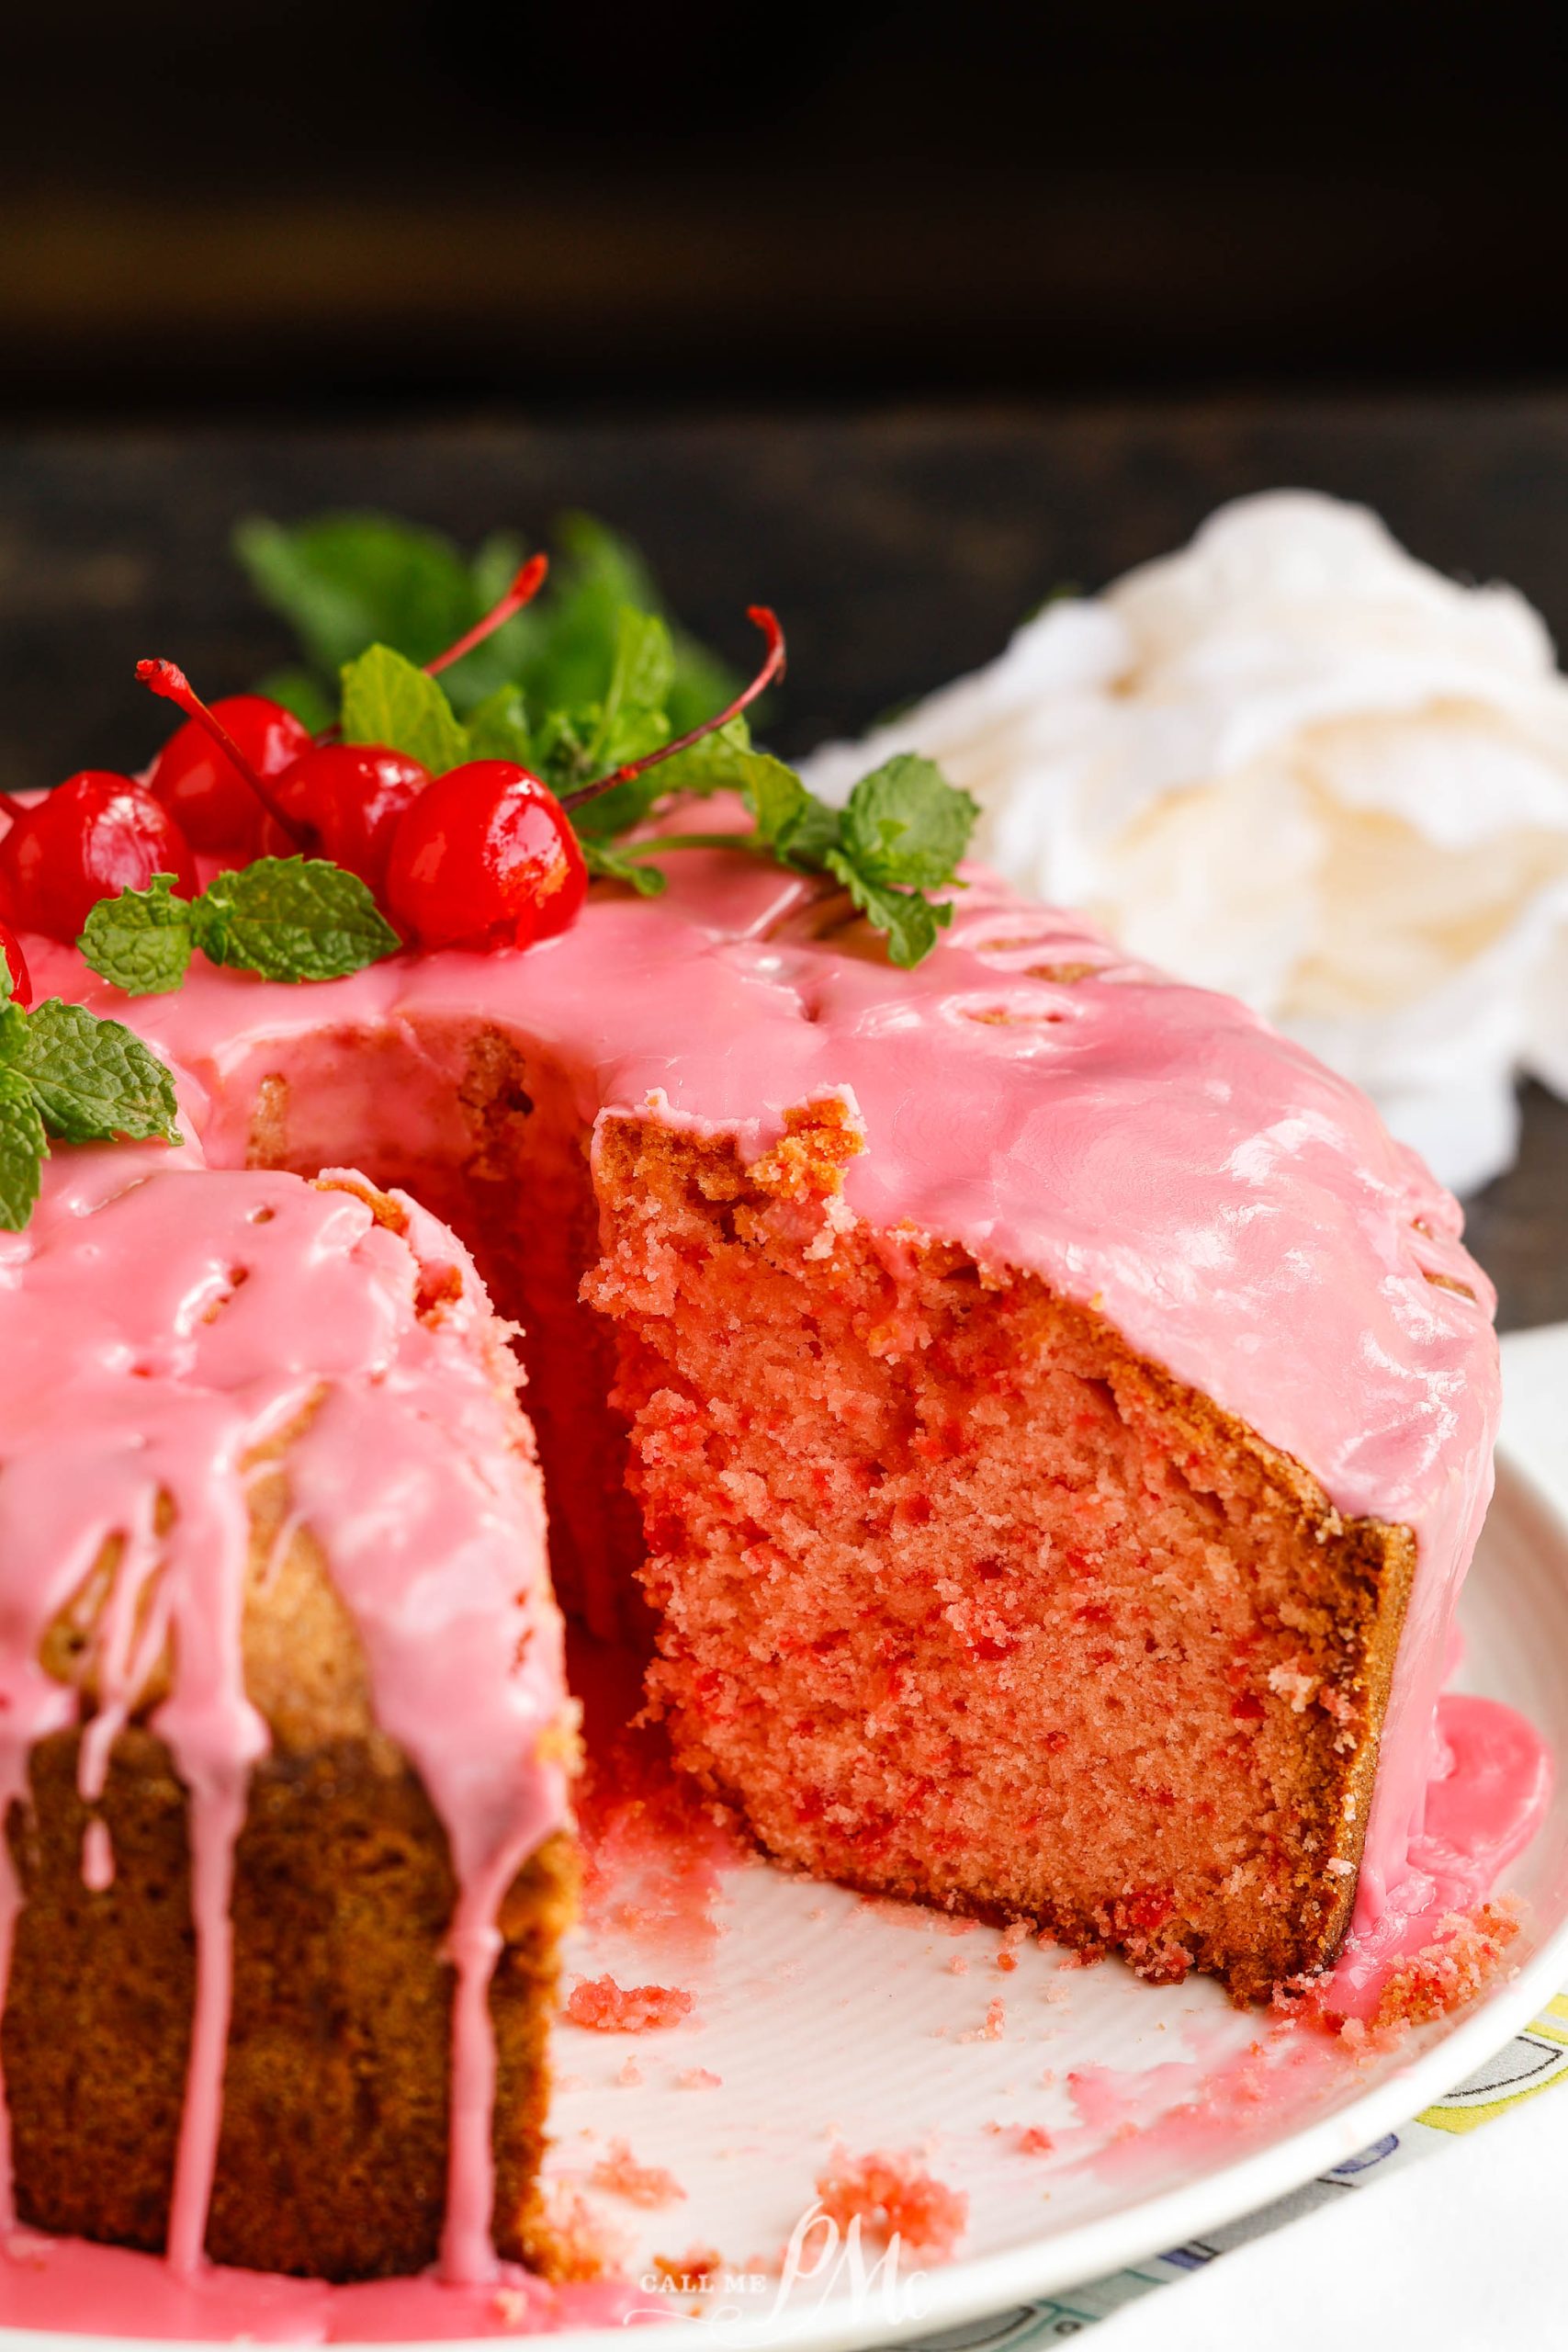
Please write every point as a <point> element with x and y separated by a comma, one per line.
<point>271,202</point>
<point>900,547</point>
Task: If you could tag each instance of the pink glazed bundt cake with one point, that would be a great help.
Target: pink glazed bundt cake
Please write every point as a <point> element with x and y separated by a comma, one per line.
<point>1036,1417</point>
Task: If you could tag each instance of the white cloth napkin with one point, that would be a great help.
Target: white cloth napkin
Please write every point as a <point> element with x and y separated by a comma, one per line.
<point>1292,762</point>
<point>1460,2249</point>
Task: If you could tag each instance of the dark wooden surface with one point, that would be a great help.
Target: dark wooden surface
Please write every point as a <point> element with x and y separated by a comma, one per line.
<point>899,548</point>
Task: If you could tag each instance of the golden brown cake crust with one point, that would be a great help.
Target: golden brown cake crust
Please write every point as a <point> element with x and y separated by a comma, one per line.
<point>333,2150</point>
<point>332,2157</point>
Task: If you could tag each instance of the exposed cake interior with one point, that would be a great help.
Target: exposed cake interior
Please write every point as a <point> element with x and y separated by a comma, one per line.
<point>953,1596</point>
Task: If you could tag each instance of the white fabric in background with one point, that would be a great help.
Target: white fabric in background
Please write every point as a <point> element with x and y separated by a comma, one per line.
<point>1460,2252</point>
<point>1294,763</point>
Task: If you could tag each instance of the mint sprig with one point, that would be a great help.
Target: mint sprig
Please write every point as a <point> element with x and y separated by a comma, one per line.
<point>23,1150</point>
<point>387,699</point>
<point>905,826</point>
<point>589,678</point>
<point>901,835</point>
<point>286,918</point>
<point>292,919</point>
<point>91,1079</point>
<point>141,940</point>
<point>66,1074</point>
<point>345,581</point>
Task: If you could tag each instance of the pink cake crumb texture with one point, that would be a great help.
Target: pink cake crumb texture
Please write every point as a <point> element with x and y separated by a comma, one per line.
<point>1466,1957</point>
<point>893,2196</point>
<point>700,2263</point>
<point>599,2003</point>
<point>1467,1953</point>
<point>620,2173</point>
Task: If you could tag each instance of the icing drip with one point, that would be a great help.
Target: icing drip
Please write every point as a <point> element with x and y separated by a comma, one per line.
<point>66,2284</point>
<point>164,1322</point>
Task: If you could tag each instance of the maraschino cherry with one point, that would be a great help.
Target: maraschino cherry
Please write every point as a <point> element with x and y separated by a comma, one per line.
<point>345,798</point>
<point>16,965</point>
<point>213,793</point>
<point>92,836</point>
<point>487,856</point>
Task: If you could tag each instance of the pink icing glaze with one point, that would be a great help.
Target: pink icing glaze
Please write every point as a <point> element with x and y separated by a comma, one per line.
<point>1238,1211</point>
<point>63,2283</point>
<point>138,1365</point>
<point>1484,1805</point>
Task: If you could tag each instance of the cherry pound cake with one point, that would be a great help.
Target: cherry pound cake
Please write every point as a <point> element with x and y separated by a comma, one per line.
<point>1034,1419</point>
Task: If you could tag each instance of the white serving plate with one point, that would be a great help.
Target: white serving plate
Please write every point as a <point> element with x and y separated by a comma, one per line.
<point>830,2020</point>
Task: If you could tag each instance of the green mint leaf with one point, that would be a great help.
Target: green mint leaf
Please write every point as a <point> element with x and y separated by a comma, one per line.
<point>292,919</point>
<point>725,760</point>
<point>719,762</point>
<point>632,718</point>
<point>809,839</point>
<point>911,921</point>
<point>141,940</point>
<point>498,729</point>
<point>23,1150</point>
<point>905,823</point>
<point>347,581</point>
<point>798,828</point>
<point>387,700</point>
<point>776,797</point>
<point>570,635</point>
<point>580,745</point>
<point>563,748</point>
<point>91,1081</point>
<point>602,858</point>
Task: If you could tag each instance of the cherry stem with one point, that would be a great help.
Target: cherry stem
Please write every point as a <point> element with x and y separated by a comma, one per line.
<point>164,678</point>
<point>523,591</point>
<point>773,667</point>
